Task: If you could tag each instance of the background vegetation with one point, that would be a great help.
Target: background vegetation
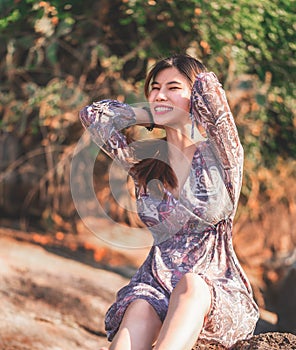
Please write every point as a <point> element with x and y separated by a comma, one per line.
<point>56,56</point>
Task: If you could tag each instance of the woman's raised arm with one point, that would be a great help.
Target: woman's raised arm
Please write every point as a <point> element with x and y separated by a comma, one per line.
<point>210,108</point>
<point>105,121</point>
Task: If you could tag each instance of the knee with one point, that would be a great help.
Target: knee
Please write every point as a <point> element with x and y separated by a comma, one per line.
<point>191,284</point>
<point>139,316</point>
<point>141,308</point>
<point>192,287</point>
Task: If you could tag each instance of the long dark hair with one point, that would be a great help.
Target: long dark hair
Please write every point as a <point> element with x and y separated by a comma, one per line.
<point>157,165</point>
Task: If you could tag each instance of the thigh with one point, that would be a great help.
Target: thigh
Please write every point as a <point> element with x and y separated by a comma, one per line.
<point>189,304</point>
<point>195,288</point>
<point>141,310</point>
<point>139,328</point>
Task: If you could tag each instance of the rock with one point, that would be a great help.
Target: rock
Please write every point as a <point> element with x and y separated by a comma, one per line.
<point>267,341</point>
<point>287,311</point>
<point>51,302</point>
<point>208,345</point>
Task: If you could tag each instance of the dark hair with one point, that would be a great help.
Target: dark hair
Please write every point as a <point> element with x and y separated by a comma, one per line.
<point>188,66</point>
<point>156,166</point>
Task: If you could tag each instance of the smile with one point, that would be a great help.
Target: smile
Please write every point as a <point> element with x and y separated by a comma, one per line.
<point>163,109</point>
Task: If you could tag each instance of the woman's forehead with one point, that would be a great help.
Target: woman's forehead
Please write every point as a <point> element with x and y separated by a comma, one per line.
<point>169,76</point>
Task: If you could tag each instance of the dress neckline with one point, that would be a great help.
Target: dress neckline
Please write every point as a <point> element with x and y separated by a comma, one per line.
<point>169,193</point>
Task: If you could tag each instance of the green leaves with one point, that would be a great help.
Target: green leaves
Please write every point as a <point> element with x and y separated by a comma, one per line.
<point>103,49</point>
<point>11,18</point>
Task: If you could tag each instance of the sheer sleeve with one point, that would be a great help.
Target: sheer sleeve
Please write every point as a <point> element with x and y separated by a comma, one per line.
<point>210,108</point>
<point>104,120</point>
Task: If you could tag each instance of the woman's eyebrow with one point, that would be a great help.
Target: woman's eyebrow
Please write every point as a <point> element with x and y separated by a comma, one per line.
<point>169,83</point>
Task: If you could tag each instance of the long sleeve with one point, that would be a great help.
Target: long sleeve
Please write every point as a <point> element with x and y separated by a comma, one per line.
<point>210,108</point>
<point>104,120</point>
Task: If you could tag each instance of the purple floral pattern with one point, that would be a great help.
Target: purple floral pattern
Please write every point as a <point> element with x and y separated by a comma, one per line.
<point>192,233</point>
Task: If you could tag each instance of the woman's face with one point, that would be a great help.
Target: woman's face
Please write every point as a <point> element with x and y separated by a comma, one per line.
<point>169,98</point>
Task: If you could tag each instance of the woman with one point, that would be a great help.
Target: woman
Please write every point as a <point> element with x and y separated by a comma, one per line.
<point>191,285</point>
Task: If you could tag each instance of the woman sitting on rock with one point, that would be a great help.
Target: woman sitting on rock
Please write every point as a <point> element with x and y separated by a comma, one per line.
<point>191,285</point>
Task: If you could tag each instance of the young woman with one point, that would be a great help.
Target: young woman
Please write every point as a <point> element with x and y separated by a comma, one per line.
<point>191,285</point>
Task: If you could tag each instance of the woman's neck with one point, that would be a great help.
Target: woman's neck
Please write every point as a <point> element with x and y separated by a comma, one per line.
<point>178,138</point>
<point>182,138</point>
<point>180,151</point>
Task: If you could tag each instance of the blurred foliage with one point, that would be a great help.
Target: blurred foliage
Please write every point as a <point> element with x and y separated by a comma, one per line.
<point>57,55</point>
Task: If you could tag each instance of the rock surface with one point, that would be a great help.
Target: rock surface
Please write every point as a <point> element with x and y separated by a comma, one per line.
<point>50,302</point>
<point>267,341</point>
<point>54,302</point>
<point>287,291</point>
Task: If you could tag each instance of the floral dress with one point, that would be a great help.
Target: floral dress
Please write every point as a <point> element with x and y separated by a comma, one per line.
<point>192,233</point>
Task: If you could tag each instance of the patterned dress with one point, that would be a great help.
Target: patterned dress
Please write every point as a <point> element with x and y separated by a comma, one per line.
<point>192,233</point>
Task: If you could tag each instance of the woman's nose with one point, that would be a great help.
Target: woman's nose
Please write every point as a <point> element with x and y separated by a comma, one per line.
<point>161,96</point>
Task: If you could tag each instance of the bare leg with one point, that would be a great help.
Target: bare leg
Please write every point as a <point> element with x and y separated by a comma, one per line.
<point>139,328</point>
<point>189,304</point>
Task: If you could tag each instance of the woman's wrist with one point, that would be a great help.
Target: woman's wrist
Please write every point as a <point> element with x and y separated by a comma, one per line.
<point>152,125</point>
<point>144,117</point>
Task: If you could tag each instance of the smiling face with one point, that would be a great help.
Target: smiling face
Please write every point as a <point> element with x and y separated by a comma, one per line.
<point>170,98</point>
